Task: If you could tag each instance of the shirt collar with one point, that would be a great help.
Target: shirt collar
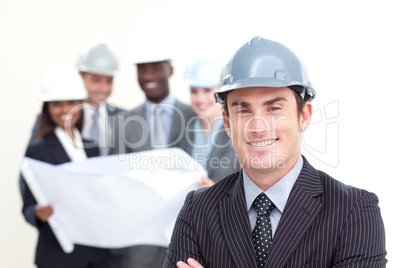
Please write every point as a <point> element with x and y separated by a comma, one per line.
<point>75,151</point>
<point>89,110</point>
<point>169,100</point>
<point>278,193</point>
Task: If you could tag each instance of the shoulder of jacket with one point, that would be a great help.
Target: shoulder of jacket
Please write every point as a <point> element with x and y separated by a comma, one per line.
<point>350,195</point>
<point>114,110</point>
<point>219,190</point>
<point>36,148</point>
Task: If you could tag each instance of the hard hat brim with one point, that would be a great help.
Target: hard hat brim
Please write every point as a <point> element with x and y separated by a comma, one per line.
<point>257,82</point>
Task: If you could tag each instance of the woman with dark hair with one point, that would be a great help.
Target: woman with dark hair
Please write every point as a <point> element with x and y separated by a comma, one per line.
<point>59,141</point>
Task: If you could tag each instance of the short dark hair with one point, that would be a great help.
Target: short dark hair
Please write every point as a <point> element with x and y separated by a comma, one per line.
<point>299,101</point>
<point>47,126</point>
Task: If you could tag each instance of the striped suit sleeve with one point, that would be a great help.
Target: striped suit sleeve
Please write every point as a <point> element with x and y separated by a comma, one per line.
<point>362,240</point>
<point>184,241</point>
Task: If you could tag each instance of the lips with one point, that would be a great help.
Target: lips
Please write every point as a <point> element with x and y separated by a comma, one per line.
<point>263,143</point>
<point>102,96</point>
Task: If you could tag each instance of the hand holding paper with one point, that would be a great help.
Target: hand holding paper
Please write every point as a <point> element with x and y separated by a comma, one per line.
<point>43,212</point>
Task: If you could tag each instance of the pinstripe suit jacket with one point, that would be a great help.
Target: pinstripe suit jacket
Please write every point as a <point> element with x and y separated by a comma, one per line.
<point>324,224</point>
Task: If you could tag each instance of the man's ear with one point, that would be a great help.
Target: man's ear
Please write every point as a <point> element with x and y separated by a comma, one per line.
<point>171,70</point>
<point>226,120</point>
<point>305,117</point>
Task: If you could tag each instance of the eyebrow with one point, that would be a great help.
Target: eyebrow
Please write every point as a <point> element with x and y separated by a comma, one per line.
<point>267,103</point>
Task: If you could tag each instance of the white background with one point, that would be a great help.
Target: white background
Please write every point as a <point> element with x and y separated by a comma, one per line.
<point>352,51</point>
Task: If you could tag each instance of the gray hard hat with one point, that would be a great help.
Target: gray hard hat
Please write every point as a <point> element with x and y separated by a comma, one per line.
<point>264,63</point>
<point>98,58</point>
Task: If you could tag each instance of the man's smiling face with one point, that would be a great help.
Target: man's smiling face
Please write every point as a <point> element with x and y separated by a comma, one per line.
<point>265,127</point>
<point>153,79</point>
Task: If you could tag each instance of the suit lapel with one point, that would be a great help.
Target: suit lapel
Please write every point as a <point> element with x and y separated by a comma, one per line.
<point>58,153</point>
<point>91,151</point>
<point>301,209</point>
<point>138,130</point>
<point>237,230</point>
<point>176,124</point>
<point>56,150</point>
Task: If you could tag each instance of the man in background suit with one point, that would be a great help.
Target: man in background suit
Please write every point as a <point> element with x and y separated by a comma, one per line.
<point>309,219</point>
<point>98,65</point>
<point>158,123</point>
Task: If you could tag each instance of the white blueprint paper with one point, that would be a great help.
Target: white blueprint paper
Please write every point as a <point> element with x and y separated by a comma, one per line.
<point>114,201</point>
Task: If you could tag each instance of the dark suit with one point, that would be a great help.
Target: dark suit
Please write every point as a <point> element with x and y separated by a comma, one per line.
<point>324,224</point>
<point>48,250</point>
<point>132,135</point>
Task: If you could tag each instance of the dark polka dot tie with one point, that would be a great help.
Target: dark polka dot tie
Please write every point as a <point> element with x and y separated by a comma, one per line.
<point>262,234</point>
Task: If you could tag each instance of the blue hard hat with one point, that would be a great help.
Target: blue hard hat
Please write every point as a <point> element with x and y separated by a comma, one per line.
<point>204,72</point>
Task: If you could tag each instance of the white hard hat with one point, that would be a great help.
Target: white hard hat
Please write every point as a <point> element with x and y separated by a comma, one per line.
<point>62,83</point>
<point>98,58</point>
<point>151,47</point>
<point>204,72</point>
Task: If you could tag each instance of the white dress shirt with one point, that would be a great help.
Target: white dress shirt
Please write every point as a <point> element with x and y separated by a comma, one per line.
<point>75,150</point>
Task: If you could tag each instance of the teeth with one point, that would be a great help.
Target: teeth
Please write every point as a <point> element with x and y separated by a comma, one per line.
<point>264,143</point>
<point>151,84</point>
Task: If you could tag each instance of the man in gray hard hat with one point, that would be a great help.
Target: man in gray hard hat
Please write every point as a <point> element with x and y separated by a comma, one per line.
<point>278,211</point>
<point>98,65</point>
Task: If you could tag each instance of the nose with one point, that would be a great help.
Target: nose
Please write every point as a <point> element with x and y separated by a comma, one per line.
<point>147,72</point>
<point>259,124</point>
<point>104,87</point>
<point>65,107</point>
<point>198,98</point>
